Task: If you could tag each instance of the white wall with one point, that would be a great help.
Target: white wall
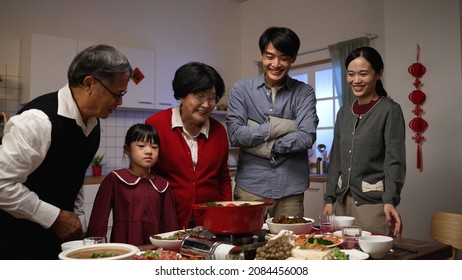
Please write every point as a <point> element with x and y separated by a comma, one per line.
<point>205,30</point>
<point>318,23</point>
<point>435,25</point>
<point>400,25</point>
<point>226,34</point>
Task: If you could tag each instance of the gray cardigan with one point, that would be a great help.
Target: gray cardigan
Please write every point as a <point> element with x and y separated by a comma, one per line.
<point>369,159</point>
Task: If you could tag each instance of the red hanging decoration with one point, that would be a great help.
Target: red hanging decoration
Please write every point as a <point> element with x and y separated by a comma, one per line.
<point>418,97</point>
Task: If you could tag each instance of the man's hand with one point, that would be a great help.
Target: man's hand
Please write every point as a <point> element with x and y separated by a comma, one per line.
<point>67,226</point>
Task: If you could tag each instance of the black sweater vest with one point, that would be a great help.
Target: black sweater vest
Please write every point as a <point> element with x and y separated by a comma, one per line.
<point>60,176</point>
<point>57,181</point>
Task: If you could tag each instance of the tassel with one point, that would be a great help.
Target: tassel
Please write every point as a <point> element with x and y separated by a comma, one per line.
<point>419,158</point>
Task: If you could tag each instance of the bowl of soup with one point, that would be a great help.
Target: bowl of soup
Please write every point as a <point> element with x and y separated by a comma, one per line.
<point>102,251</point>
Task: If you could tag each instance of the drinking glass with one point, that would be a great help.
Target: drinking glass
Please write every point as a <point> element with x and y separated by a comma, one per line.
<point>94,240</point>
<point>326,223</point>
<point>350,236</point>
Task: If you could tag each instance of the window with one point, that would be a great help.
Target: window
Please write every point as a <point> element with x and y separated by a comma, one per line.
<point>319,76</point>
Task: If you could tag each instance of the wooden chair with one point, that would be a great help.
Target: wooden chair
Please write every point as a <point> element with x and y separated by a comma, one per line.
<point>447,229</point>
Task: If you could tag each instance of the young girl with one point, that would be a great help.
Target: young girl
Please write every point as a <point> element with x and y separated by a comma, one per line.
<point>141,201</point>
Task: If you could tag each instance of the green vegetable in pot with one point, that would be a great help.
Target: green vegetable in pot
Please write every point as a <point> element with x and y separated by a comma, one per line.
<point>212,204</point>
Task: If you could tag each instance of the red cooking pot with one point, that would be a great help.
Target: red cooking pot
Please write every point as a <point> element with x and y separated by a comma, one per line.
<point>232,217</point>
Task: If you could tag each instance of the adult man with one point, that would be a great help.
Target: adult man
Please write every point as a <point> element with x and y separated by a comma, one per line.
<point>272,118</point>
<point>46,150</point>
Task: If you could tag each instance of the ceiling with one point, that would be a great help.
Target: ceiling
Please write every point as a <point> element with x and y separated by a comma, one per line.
<point>238,1</point>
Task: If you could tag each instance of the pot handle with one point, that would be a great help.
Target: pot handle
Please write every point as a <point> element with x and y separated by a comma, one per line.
<point>267,203</point>
<point>199,207</point>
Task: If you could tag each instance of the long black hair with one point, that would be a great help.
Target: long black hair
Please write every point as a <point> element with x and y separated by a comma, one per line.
<point>374,58</point>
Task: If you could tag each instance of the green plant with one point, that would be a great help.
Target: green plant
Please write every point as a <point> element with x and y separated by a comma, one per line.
<point>97,160</point>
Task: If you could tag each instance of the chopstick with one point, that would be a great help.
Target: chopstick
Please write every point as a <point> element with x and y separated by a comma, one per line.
<point>404,248</point>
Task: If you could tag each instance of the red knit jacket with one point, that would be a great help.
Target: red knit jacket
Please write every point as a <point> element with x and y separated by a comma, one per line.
<point>209,181</point>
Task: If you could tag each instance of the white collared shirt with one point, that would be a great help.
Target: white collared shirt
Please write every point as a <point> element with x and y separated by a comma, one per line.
<point>190,139</point>
<point>25,143</point>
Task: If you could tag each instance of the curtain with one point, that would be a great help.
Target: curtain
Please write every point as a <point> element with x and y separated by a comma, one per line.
<point>260,67</point>
<point>339,53</point>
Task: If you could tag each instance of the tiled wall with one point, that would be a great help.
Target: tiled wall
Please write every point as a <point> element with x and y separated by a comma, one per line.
<point>113,130</point>
<point>9,90</point>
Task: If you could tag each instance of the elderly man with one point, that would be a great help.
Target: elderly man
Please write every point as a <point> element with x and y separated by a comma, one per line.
<point>46,150</point>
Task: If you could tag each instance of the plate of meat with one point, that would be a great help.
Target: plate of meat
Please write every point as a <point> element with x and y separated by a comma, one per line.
<point>172,240</point>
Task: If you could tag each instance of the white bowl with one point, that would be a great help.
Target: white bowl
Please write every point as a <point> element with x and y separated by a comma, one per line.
<point>343,221</point>
<point>71,245</point>
<point>119,251</point>
<point>299,228</point>
<point>167,244</point>
<point>377,246</point>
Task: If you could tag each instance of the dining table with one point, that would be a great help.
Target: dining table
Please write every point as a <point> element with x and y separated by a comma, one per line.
<point>403,249</point>
<point>413,249</point>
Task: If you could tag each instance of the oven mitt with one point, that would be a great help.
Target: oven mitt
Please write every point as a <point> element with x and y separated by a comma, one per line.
<point>280,127</point>
<point>264,149</point>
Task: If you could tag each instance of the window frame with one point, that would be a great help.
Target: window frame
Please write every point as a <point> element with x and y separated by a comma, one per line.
<point>310,67</point>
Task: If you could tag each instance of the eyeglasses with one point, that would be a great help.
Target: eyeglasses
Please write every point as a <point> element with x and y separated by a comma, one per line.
<point>202,99</point>
<point>116,96</point>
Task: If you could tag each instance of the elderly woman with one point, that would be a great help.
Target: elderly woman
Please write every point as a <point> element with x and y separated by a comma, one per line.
<point>194,154</point>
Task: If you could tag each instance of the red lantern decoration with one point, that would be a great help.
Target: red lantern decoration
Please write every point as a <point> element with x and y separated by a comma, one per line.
<point>418,124</point>
<point>418,97</point>
<point>417,69</point>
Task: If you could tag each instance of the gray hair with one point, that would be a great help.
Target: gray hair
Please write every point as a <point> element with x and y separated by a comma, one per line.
<point>101,61</point>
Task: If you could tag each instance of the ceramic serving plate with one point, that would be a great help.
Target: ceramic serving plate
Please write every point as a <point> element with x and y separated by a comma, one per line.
<point>355,254</point>
<point>166,242</point>
<point>337,242</point>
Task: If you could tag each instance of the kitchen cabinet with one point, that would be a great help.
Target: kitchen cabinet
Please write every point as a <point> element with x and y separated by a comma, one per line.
<point>89,193</point>
<point>140,95</point>
<point>166,65</point>
<point>314,200</point>
<point>44,63</point>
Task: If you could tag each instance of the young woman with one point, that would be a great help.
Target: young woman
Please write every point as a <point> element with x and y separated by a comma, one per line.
<point>141,201</point>
<point>368,159</point>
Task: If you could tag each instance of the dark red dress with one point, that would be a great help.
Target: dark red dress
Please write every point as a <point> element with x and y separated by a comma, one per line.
<point>140,206</point>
